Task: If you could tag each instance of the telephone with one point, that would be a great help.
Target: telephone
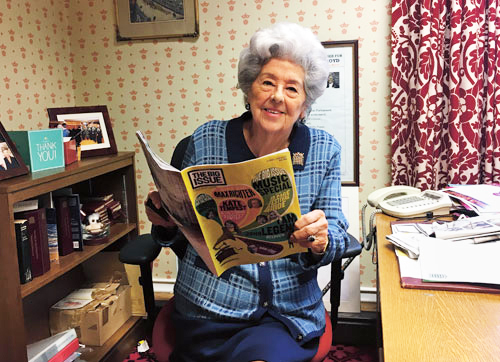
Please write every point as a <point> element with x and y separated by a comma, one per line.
<point>406,201</point>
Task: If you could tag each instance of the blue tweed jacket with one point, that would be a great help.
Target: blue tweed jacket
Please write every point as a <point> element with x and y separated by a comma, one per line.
<point>285,288</point>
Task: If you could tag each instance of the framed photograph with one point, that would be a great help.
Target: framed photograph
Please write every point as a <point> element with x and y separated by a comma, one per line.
<point>150,19</point>
<point>337,110</point>
<point>89,126</point>
<point>11,163</point>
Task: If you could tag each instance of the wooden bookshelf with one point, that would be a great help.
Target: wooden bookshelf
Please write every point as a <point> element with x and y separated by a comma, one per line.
<point>68,262</point>
<point>24,316</point>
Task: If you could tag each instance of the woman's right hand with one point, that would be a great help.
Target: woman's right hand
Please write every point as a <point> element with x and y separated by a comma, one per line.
<point>154,217</point>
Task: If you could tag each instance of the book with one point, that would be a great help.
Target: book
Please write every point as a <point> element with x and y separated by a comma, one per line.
<point>23,250</point>
<point>26,205</point>
<point>37,230</point>
<point>75,221</point>
<point>52,234</point>
<point>53,348</point>
<point>232,214</point>
<point>68,353</point>
<point>64,237</point>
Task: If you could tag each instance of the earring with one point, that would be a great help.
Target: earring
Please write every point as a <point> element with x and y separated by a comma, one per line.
<point>247,106</point>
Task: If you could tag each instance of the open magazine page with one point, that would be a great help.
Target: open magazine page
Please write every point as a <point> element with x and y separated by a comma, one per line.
<point>246,210</point>
<point>175,200</point>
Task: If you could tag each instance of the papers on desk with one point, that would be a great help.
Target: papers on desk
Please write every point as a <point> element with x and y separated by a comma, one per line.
<point>480,198</point>
<point>431,263</point>
<point>468,228</point>
<point>449,261</point>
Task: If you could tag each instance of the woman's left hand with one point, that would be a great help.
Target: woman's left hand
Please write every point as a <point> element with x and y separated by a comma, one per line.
<point>312,231</point>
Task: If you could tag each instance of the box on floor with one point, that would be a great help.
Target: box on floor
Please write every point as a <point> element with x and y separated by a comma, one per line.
<point>98,320</point>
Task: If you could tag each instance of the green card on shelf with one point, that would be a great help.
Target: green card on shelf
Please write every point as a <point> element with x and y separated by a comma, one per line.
<point>40,149</point>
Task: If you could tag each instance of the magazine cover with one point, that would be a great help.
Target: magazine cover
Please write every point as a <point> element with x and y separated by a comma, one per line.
<point>246,211</point>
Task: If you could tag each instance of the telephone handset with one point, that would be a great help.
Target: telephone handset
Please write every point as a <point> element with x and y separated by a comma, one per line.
<point>406,201</point>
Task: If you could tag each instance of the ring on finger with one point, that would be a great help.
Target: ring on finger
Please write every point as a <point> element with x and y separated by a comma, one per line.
<point>311,238</point>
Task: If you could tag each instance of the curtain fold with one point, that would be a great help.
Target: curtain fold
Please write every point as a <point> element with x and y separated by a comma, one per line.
<point>445,92</point>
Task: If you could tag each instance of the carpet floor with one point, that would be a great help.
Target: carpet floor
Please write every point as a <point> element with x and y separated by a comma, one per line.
<point>338,353</point>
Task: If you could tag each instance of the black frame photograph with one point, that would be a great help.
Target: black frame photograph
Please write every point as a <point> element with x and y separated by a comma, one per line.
<point>11,163</point>
<point>143,19</point>
<point>89,126</point>
<point>337,110</point>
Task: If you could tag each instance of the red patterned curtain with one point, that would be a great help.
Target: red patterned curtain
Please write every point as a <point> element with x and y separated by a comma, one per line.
<point>445,92</point>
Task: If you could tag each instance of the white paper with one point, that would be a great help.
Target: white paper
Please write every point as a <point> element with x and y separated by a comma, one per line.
<point>448,261</point>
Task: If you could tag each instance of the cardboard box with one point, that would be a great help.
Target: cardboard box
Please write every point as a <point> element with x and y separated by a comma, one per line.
<point>98,320</point>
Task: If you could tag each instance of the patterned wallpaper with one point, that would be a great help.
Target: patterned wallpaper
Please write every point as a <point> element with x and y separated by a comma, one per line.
<point>57,53</point>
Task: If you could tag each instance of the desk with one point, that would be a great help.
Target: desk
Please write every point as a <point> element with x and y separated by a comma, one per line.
<point>427,325</point>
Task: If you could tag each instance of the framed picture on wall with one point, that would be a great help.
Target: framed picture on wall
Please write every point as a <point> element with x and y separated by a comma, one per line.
<point>337,110</point>
<point>11,163</point>
<point>143,19</point>
<point>90,126</point>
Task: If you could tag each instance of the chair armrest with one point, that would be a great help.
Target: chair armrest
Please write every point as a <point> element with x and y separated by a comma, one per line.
<point>141,250</point>
<point>353,247</point>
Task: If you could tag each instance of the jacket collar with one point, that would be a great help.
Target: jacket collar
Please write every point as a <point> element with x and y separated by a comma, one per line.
<point>238,150</point>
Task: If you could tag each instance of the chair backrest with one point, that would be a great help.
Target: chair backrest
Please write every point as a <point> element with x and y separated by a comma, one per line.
<point>179,152</point>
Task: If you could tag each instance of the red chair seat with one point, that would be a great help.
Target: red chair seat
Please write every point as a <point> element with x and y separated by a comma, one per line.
<point>164,338</point>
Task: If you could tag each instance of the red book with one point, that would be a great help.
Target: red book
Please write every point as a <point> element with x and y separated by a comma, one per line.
<point>64,236</point>
<point>37,230</point>
<point>66,352</point>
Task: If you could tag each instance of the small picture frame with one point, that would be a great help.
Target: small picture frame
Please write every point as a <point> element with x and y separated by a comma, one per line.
<point>11,163</point>
<point>89,126</point>
<point>156,19</point>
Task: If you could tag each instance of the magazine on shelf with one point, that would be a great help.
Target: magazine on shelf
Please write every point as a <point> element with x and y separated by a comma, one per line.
<point>232,214</point>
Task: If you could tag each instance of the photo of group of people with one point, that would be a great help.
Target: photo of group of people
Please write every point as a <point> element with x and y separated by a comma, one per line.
<point>85,133</point>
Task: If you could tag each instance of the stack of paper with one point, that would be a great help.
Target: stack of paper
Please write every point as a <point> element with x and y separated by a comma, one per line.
<point>480,198</point>
<point>448,261</point>
<point>438,264</point>
<point>475,229</point>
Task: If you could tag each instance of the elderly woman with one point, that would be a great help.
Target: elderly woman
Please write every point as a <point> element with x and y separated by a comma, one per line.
<point>269,311</point>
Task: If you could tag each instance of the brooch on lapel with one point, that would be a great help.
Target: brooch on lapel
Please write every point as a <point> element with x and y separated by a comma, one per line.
<point>298,158</point>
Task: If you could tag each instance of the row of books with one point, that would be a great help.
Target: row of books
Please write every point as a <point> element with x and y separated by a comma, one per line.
<point>54,226</point>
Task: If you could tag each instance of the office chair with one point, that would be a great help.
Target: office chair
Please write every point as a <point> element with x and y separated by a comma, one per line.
<point>143,250</point>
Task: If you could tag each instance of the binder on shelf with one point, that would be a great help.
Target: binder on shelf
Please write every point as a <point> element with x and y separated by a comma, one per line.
<point>23,250</point>
<point>75,221</point>
<point>64,237</point>
<point>37,230</point>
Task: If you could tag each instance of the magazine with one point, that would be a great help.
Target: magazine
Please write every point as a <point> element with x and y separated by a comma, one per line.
<point>232,214</point>
<point>483,199</point>
<point>468,228</point>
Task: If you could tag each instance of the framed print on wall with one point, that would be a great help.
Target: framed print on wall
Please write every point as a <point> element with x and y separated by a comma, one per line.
<point>150,19</point>
<point>90,126</point>
<point>11,163</point>
<point>337,110</point>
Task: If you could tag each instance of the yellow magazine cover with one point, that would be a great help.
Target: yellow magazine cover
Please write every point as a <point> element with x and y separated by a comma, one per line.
<point>232,214</point>
<point>246,210</point>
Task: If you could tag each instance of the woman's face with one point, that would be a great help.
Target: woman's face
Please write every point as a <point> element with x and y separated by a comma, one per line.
<point>277,97</point>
